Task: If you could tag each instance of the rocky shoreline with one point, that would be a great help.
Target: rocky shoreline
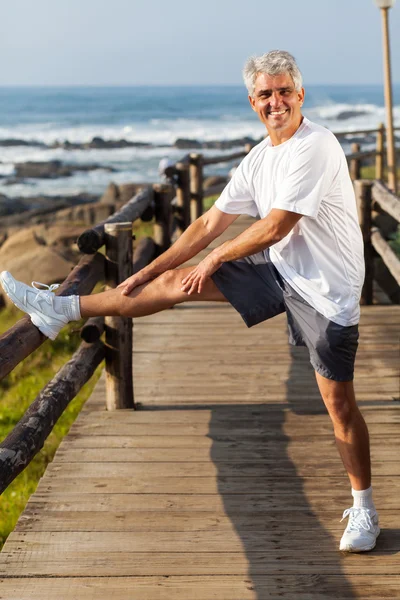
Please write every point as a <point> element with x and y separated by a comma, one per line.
<point>99,143</point>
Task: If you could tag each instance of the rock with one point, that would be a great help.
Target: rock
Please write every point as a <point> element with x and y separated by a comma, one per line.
<point>61,235</point>
<point>29,260</point>
<point>51,169</point>
<point>99,142</point>
<point>16,142</point>
<point>229,144</point>
<point>20,211</point>
<point>111,194</point>
<point>349,114</point>
<point>185,144</point>
<point>10,206</point>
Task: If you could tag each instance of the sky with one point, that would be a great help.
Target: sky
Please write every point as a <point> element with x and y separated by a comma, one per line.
<point>176,42</point>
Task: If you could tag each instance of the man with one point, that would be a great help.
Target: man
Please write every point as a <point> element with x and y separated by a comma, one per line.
<point>303,256</point>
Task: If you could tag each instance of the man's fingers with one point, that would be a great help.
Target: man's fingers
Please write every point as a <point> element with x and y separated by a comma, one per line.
<point>187,282</point>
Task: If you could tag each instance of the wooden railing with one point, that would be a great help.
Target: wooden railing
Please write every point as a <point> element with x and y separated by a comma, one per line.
<point>172,207</point>
<point>357,157</point>
<point>375,196</point>
<point>29,435</point>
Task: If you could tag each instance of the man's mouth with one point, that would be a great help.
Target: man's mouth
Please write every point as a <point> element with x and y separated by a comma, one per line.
<point>277,112</point>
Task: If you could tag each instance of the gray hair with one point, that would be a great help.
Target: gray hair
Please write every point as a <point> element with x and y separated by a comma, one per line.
<point>272,63</point>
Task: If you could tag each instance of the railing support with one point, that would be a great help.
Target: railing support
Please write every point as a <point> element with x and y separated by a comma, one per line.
<point>183,197</point>
<point>355,163</point>
<point>363,190</point>
<point>119,381</point>
<point>163,195</point>
<point>196,186</point>
<point>379,152</point>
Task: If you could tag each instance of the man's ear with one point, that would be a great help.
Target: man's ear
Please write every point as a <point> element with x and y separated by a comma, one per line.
<point>252,102</point>
<point>301,94</point>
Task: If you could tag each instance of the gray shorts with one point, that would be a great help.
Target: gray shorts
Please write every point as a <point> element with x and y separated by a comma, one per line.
<point>256,290</point>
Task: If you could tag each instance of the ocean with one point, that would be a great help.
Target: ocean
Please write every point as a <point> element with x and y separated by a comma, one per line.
<point>152,115</point>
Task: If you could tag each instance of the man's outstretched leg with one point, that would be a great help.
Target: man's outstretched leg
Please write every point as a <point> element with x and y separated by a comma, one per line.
<point>50,312</point>
<point>352,440</point>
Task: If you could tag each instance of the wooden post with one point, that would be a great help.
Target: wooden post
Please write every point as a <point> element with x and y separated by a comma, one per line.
<point>355,164</point>
<point>363,190</point>
<point>379,152</point>
<point>119,380</point>
<point>163,195</point>
<point>196,186</point>
<point>183,196</point>
<point>390,138</point>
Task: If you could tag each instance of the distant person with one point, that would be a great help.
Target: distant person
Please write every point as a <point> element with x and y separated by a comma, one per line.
<point>304,256</point>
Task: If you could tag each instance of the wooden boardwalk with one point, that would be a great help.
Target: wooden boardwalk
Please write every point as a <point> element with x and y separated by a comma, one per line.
<point>226,484</point>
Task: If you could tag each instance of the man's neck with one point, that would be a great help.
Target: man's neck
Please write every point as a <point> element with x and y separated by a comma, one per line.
<point>279,137</point>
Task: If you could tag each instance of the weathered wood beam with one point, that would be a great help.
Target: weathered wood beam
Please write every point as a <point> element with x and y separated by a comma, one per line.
<point>93,329</point>
<point>386,200</point>
<point>386,253</point>
<point>31,432</point>
<point>93,239</point>
<point>23,338</point>
<point>352,133</point>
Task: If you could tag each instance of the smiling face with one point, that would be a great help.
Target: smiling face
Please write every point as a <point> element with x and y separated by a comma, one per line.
<point>278,105</point>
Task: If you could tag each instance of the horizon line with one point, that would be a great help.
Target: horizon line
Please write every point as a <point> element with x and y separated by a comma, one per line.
<point>161,85</point>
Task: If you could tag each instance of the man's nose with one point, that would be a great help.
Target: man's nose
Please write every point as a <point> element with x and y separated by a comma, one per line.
<point>275,99</point>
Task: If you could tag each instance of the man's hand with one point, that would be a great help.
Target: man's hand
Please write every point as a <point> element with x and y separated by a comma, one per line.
<point>195,281</point>
<point>134,281</point>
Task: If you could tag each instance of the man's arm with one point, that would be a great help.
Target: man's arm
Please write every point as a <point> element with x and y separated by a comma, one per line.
<point>194,239</point>
<point>259,236</point>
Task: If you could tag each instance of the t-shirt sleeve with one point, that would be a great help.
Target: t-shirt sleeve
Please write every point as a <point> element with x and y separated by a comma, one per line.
<point>312,168</point>
<point>237,198</point>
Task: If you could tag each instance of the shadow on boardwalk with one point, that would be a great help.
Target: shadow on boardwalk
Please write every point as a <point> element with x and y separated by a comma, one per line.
<point>289,552</point>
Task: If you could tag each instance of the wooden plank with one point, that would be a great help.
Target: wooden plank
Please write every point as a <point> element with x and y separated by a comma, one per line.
<point>313,586</point>
<point>278,465</point>
<point>101,561</point>
<point>225,455</point>
<point>151,521</point>
<point>308,425</point>
<point>243,417</point>
<point>309,495</point>
<point>194,485</point>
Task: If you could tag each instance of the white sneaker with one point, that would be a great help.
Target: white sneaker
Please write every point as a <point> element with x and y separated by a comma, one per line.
<point>36,302</point>
<point>361,531</point>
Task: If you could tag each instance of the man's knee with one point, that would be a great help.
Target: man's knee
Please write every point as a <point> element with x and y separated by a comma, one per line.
<point>339,401</point>
<point>169,280</point>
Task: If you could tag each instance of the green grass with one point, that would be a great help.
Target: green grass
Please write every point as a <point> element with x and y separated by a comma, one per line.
<point>208,202</point>
<point>17,391</point>
<point>368,172</point>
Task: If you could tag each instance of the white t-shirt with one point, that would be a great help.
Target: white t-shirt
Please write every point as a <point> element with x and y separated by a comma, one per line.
<point>322,257</point>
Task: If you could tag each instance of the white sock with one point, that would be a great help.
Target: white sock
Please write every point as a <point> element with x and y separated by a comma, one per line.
<point>363,498</point>
<point>68,306</point>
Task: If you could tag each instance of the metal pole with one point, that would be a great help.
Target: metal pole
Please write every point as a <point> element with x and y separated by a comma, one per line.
<point>390,149</point>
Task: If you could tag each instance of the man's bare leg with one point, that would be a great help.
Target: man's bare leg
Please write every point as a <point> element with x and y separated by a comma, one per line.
<point>156,295</point>
<point>351,432</point>
<point>352,440</point>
